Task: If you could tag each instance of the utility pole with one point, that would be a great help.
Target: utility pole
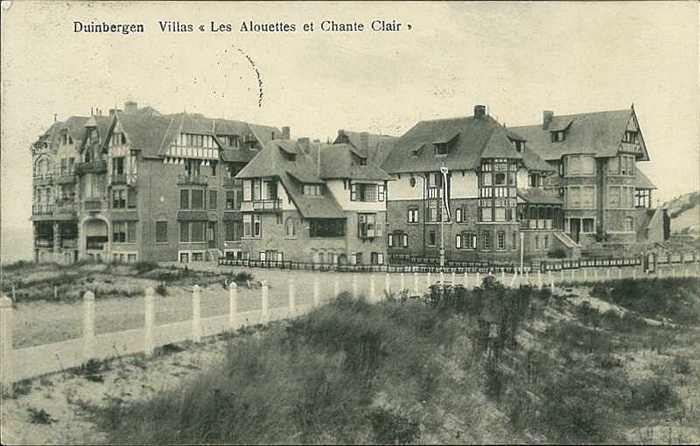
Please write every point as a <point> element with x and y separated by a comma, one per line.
<point>522,238</point>
<point>443,198</point>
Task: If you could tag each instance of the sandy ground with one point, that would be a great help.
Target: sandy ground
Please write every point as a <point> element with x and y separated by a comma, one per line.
<point>64,396</point>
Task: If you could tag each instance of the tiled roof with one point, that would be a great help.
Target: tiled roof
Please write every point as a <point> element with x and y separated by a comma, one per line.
<point>476,137</point>
<point>146,131</point>
<point>378,146</point>
<point>76,127</point>
<point>337,162</point>
<point>598,133</point>
<point>642,181</point>
<point>293,171</point>
<point>242,155</point>
<point>539,196</point>
<point>265,133</point>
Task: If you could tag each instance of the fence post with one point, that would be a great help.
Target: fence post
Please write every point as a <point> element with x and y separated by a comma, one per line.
<point>196,314</point>
<point>55,293</point>
<point>88,325</point>
<point>539,279</point>
<point>549,276</point>
<point>372,297</point>
<point>466,279</point>
<point>354,286</point>
<point>149,319</point>
<point>607,273</point>
<point>585,275</point>
<point>514,278</point>
<point>292,297</point>
<point>415,283</point>
<point>503,277</point>
<point>232,304</point>
<point>265,302</point>
<point>478,279</point>
<point>454,279</point>
<point>442,280</point>
<point>317,290</point>
<point>336,287</point>
<point>387,284</point>
<point>427,281</point>
<point>561,276</point>
<point>6,348</point>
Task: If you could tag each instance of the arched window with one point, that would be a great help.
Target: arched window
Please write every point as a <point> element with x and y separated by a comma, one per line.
<point>290,227</point>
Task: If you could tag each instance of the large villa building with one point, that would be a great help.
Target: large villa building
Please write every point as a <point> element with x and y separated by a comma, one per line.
<point>139,185</point>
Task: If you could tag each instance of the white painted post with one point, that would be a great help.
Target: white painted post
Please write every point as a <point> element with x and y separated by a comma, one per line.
<point>291,296</point>
<point>478,279</point>
<point>387,284</point>
<point>619,273</point>
<point>149,319</point>
<point>415,283</point>
<point>634,273</point>
<point>561,276</point>
<point>551,279</point>
<point>336,287</point>
<point>232,304</point>
<point>585,275</point>
<point>317,290</point>
<point>265,310</point>
<point>55,292</point>
<point>466,280</point>
<point>539,279</point>
<point>427,281</point>
<point>196,314</point>
<point>372,297</point>
<point>503,277</point>
<point>454,279</point>
<point>607,273</point>
<point>6,348</point>
<point>355,294</point>
<point>88,325</point>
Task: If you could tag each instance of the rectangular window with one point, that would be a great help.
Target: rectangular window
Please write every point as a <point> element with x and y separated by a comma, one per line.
<point>458,241</point>
<point>161,232</point>
<point>367,226</point>
<point>184,199</point>
<point>353,192</point>
<point>119,232</point>
<point>312,189</point>
<point>231,231</point>
<point>614,197</point>
<point>413,215</point>
<point>197,199</point>
<point>131,198</point>
<point>380,194</point>
<point>390,240</point>
<point>184,232</point>
<point>247,225</point>
<point>197,231</point>
<point>118,165</point>
<point>257,226</point>
<point>501,240</point>
<point>326,228</point>
<point>131,232</point>
<point>485,241</point>
<point>587,225</point>
<point>118,199</point>
<point>212,199</point>
<point>432,211</point>
<point>404,240</point>
<point>230,199</point>
<point>458,215</point>
<point>431,238</point>
<point>629,224</point>
<point>469,240</point>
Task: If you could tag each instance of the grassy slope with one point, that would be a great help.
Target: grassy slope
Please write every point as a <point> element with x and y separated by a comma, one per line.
<point>432,371</point>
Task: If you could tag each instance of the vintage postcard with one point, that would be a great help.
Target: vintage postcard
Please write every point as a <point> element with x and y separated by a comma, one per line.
<point>349,222</point>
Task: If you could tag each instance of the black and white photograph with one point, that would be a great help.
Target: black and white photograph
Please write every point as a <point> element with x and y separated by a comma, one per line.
<point>355,222</point>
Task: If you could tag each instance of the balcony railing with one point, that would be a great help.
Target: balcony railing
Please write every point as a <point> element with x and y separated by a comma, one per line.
<point>43,178</point>
<point>232,182</point>
<point>536,224</point>
<point>43,243</point>
<point>69,243</point>
<point>96,166</point>
<point>197,180</point>
<point>267,205</point>
<point>42,209</point>
<point>434,192</point>
<point>65,178</point>
<point>93,204</point>
<point>65,207</point>
<point>118,178</point>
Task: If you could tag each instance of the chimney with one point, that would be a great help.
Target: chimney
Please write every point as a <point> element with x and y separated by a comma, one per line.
<point>113,111</point>
<point>55,117</point>
<point>547,116</point>
<point>130,106</point>
<point>285,132</point>
<point>364,141</point>
<point>342,138</point>
<point>479,111</point>
<point>304,144</point>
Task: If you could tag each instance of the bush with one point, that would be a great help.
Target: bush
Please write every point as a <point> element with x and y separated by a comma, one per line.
<point>161,290</point>
<point>682,365</point>
<point>391,428</point>
<point>144,267</point>
<point>557,253</point>
<point>652,394</point>
<point>243,277</point>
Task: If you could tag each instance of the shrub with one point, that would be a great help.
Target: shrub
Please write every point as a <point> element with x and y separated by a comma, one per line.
<point>652,394</point>
<point>40,416</point>
<point>557,253</point>
<point>682,365</point>
<point>242,277</point>
<point>391,428</point>
<point>144,267</point>
<point>161,289</point>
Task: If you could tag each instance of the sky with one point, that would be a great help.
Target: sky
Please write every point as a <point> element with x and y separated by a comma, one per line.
<point>517,58</point>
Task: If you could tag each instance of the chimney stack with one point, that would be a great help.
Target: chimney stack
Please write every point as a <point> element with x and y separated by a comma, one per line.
<point>130,106</point>
<point>113,111</point>
<point>364,141</point>
<point>547,116</point>
<point>304,144</point>
<point>285,132</point>
<point>479,111</point>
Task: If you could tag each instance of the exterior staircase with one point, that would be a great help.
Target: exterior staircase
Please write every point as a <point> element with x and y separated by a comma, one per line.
<point>573,249</point>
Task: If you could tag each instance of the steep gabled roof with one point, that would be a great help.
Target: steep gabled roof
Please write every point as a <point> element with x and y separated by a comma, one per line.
<point>76,127</point>
<point>539,196</point>
<point>597,133</point>
<point>476,137</point>
<point>641,181</point>
<point>146,131</point>
<point>378,146</point>
<point>293,172</point>
<point>337,162</point>
<point>264,133</point>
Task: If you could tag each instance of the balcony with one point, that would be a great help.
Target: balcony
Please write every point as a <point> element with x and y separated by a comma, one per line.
<point>43,179</point>
<point>69,243</point>
<point>43,243</point>
<point>232,182</point>
<point>96,166</point>
<point>42,209</point>
<point>65,178</point>
<point>118,178</point>
<point>93,204</point>
<point>267,205</point>
<point>535,224</point>
<point>434,192</point>
<point>65,207</point>
<point>196,180</point>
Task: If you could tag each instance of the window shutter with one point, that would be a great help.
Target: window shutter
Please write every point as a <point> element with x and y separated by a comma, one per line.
<point>390,240</point>
<point>353,192</point>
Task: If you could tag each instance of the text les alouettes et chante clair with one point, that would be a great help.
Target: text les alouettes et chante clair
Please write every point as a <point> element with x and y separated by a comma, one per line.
<point>251,26</point>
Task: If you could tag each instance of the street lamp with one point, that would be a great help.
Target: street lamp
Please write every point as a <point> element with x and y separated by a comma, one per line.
<point>446,207</point>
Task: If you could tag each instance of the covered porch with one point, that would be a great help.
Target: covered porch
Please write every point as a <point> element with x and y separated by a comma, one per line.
<point>540,211</point>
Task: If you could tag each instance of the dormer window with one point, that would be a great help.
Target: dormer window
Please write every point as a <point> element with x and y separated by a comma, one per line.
<point>630,137</point>
<point>441,149</point>
<point>519,146</point>
<point>313,189</point>
<point>558,136</point>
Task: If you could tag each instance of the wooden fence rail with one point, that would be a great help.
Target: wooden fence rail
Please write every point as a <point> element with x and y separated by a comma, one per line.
<point>29,362</point>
